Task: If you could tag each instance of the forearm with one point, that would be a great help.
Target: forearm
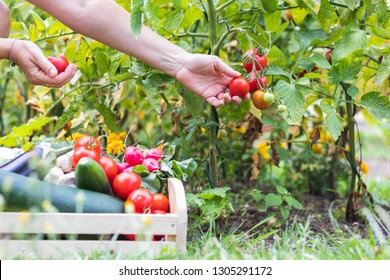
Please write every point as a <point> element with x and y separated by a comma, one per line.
<point>5,20</point>
<point>5,45</point>
<point>107,22</point>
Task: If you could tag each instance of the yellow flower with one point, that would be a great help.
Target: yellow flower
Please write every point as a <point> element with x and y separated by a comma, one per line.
<point>317,149</point>
<point>263,149</point>
<point>115,143</point>
<point>364,167</point>
<point>75,136</point>
<point>115,147</point>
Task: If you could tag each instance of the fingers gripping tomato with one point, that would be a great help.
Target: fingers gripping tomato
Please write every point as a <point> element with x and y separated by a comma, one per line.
<point>238,87</point>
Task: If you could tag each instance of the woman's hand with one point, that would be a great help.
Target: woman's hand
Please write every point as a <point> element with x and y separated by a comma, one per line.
<point>209,77</point>
<point>38,69</point>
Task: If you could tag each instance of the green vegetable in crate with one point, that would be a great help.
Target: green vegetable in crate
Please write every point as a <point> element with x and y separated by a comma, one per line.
<point>21,193</point>
<point>90,175</point>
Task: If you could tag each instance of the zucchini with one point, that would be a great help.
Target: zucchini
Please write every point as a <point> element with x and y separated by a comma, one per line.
<point>90,175</point>
<point>23,193</point>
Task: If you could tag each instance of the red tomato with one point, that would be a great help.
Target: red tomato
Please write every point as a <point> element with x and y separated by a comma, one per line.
<point>59,62</point>
<point>160,202</point>
<point>238,87</point>
<point>89,142</point>
<point>84,152</point>
<point>252,59</point>
<point>257,82</point>
<point>109,166</point>
<point>142,199</point>
<point>124,183</point>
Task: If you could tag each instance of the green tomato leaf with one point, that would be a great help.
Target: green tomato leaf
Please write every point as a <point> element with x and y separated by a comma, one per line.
<point>345,70</point>
<point>232,113</point>
<point>378,106</point>
<point>276,57</point>
<point>39,23</point>
<point>383,71</point>
<point>306,37</point>
<point>195,104</point>
<point>85,60</point>
<point>320,61</point>
<point>285,213</point>
<point>293,99</point>
<point>136,20</point>
<point>327,15</point>
<point>109,117</point>
<point>353,39</point>
<point>334,123</point>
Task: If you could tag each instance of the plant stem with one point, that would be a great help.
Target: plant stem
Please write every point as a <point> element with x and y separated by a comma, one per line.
<point>223,6</point>
<point>213,130</point>
<point>351,141</point>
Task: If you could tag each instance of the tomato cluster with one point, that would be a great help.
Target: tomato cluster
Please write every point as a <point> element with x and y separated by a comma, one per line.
<point>125,183</point>
<point>254,81</point>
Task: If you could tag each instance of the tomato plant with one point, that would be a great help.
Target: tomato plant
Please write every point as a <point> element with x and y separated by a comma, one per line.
<point>253,60</point>
<point>238,87</point>
<point>124,183</point>
<point>59,62</point>
<point>142,200</point>
<point>258,100</point>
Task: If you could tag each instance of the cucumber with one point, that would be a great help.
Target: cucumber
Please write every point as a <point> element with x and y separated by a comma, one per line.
<point>22,193</point>
<point>90,175</point>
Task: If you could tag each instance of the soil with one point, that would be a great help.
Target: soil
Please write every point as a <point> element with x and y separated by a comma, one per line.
<point>316,209</point>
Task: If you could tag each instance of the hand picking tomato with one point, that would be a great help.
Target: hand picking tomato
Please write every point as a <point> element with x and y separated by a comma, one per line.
<point>253,60</point>
<point>89,142</point>
<point>160,202</point>
<point>238,87</point>
<point>142,199</point>
<point>257,82</point>
<point>258,100</point>
<point>124,183</point>
<point>109,166</point>
<point>84,152</point>
<point>59,62</point>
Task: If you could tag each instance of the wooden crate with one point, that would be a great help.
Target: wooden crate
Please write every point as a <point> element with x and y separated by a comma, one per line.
<point>172,225</point>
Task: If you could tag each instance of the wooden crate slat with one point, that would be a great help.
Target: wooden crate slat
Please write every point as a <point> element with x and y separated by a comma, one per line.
<point>75,248</point>
<point>73,223</point>
<point>173,225</point>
